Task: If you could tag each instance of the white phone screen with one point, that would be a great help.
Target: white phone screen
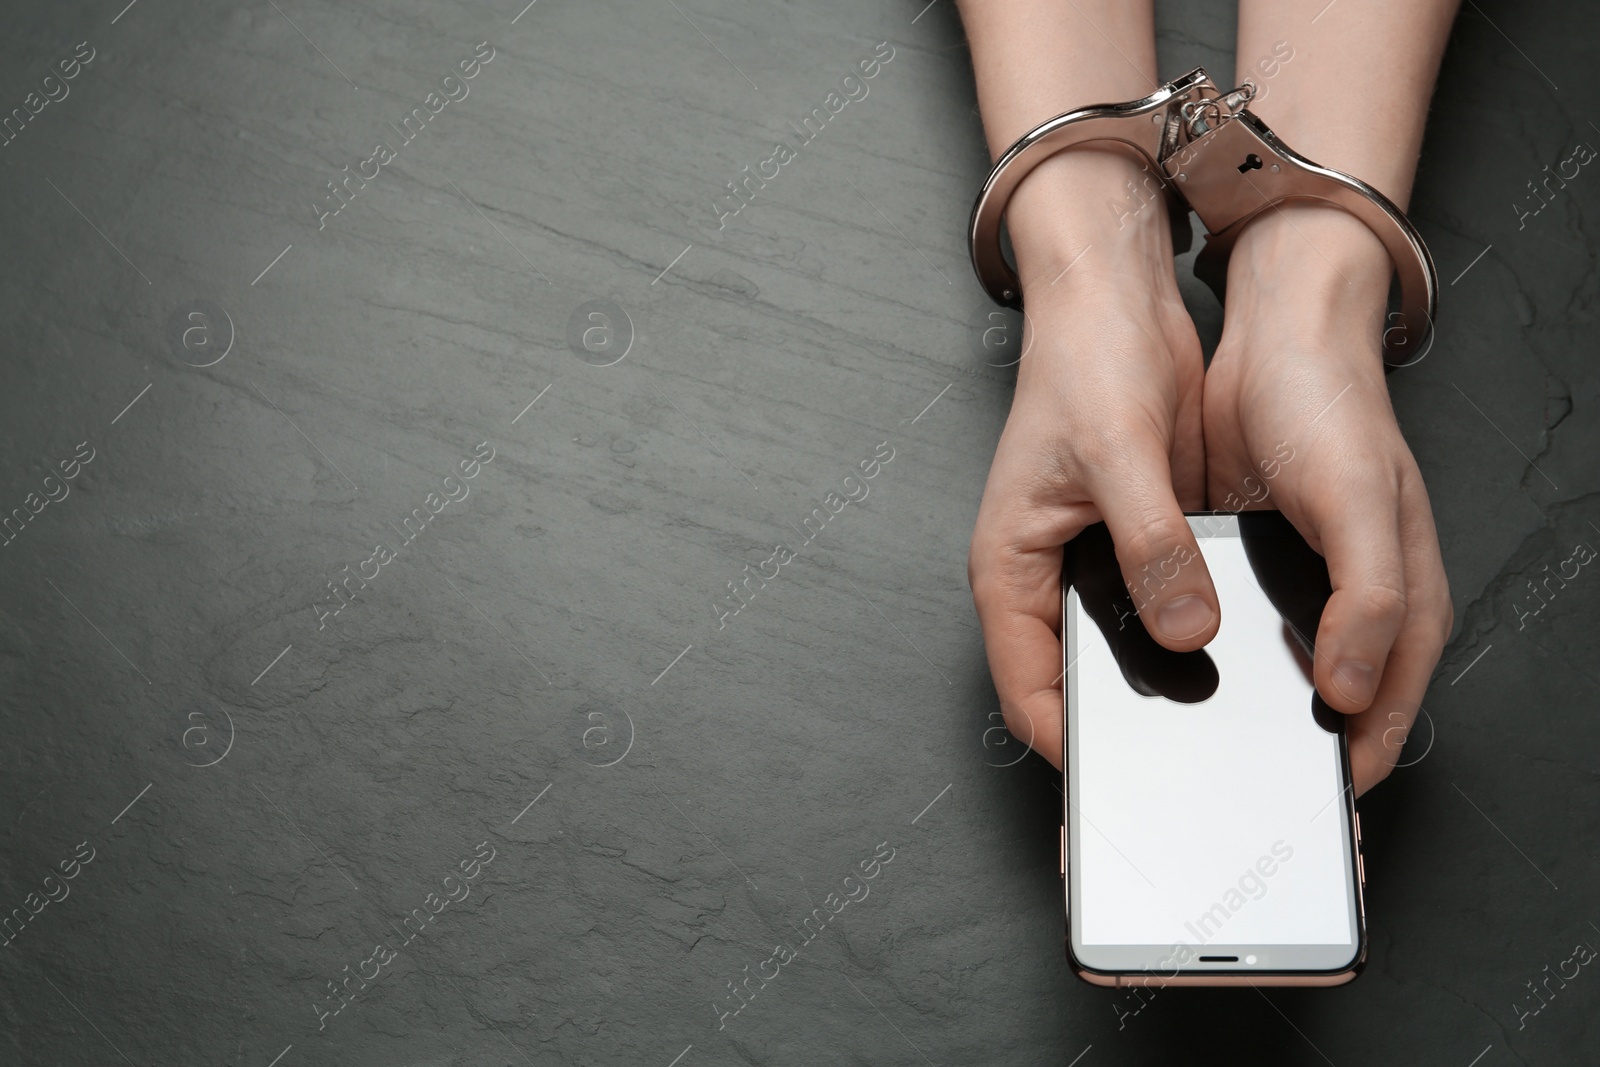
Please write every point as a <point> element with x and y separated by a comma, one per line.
<point>1216,820</point>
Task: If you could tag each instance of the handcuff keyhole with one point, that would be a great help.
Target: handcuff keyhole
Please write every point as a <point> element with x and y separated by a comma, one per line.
<point>1251,162</point>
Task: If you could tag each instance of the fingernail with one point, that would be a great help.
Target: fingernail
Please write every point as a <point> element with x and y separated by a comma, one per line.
<point>1356,680</point>
<point>1184,617</point>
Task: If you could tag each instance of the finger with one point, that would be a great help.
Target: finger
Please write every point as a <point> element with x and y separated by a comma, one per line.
<point>1376,735</point>
<point>1017,593</point>
<point>1159,556</point>
<point>1358,525</point>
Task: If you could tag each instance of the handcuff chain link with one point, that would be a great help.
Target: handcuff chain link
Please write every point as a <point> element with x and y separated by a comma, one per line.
<point>1225,107</point>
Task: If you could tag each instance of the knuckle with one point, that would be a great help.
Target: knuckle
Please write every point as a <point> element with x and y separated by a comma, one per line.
<point>1100,446</point>
<point>1385,601</point>
<point>1001,581</point>
<point>1153,557</point>
<point>1446,614</point>
<point>1017,721</point>
<point>1371,475</point>
<point>985,599</point>
<point>983,553</point>
<point>1155,542</point>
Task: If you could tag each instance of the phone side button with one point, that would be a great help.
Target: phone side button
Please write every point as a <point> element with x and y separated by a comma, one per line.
<point>1361,868</point>
<point>1358,829</point>
<point>1064,850</point>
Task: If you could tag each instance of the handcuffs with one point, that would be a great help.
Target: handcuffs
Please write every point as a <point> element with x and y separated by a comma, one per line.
<point>1219,160</point>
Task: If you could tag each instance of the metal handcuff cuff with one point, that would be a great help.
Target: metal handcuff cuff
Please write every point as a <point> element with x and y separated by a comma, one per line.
<point>1226,165</point>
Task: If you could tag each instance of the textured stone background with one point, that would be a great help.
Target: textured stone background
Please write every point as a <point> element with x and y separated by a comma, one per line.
<point>159,618</point>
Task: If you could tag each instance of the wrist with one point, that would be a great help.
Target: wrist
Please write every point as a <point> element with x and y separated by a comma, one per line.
<point>1303,273</point>
<point>1093,242</point>
<point>1092,219</point>
<point>1309,251</point>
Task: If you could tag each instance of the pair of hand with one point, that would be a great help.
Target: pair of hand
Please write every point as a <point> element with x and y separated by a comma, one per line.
<point>1116,418</point>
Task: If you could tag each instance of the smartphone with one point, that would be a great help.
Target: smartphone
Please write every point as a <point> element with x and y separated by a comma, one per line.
<point>1209,830</point>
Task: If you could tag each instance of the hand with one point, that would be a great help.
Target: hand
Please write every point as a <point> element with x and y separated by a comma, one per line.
<point>1104,425</point>
<point>1299,365</point>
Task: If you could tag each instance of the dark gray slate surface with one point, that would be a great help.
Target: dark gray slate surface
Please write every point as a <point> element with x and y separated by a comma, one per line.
<point>265,800</point>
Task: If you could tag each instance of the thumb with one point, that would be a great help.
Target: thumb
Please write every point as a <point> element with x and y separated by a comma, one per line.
<point>1160,559</point>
